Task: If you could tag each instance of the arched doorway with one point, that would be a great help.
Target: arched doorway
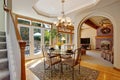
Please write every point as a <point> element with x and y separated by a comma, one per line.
<point>96,33</point>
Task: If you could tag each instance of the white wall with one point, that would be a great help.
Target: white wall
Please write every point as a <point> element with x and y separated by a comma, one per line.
<point>2,17</point>
<point>106,8</point>
<point>13,48</point>
<point>91,33</point>
<point>112,12</point>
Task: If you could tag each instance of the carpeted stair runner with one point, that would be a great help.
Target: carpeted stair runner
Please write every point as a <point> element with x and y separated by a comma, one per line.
<point>4,71</point>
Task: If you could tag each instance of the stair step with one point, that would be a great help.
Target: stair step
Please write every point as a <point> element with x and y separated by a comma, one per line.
<point>3,63</point>
<point>2,33</point>
<point>3,53</point>
<point>4,74</point>
<point>2,45</point>
<point>2,39</point>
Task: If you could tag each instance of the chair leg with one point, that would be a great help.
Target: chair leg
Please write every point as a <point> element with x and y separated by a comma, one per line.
<point>61,70</point>
<point>72,73</point>
<point>54,66</point>
<point>79,68</point>
<point>61,67</point>
<point>66,66</point>
<point>50,72</point>
<point>44,67</point>
<point>44,70</point>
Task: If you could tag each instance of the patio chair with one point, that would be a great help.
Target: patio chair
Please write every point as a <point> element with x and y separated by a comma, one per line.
<point>75,60</point>
<point>50,60</point>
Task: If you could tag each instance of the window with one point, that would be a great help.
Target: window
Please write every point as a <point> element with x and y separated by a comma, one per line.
<point>36,24</point>
<point>21,21</point>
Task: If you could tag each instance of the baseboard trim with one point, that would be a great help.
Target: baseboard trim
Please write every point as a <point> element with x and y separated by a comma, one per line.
<point>116,68</point>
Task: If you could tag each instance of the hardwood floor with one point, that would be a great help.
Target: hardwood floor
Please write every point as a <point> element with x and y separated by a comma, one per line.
<point>106,73</point>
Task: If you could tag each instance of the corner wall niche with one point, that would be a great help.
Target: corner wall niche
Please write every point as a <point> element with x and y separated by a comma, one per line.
<point>104,38</point>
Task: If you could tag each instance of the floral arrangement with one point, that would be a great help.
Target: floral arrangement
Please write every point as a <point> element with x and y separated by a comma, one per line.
<point>59,43</point>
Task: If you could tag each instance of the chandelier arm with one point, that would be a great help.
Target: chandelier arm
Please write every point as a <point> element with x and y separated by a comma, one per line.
<point>63,20</point>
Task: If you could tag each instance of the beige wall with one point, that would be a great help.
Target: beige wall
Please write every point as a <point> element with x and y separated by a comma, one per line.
<point>112,12</point>
<point>89,32</point>
<point>2,17</point>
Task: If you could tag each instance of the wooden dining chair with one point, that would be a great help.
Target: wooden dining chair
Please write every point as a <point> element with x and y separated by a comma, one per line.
<point>75,60</point>
<point>50,60</point>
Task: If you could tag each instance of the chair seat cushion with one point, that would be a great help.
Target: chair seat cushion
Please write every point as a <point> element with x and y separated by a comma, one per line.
<point>54,55</point>
<point>53,61</point>
<point>64,56</point>
<point>70,62</point>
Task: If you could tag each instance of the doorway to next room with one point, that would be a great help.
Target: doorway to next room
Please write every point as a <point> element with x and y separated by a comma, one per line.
<point>96,38</point>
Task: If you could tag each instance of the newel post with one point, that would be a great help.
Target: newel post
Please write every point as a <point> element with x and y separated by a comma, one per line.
<point>22,48</point>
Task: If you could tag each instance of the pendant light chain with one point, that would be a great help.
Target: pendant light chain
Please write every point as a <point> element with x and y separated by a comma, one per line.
<point>63,13</point>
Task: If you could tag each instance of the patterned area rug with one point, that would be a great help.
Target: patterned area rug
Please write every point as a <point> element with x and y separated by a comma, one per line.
<point>85,73</point>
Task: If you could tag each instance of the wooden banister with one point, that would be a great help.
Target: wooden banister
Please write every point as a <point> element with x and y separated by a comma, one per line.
<point>22,44</point>
<point>22,48</point>
<point>15,25</point>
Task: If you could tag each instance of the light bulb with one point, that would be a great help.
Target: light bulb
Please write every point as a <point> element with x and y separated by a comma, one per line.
<point>62,20</point>
<point>59,18</point>
<point>68,19</point>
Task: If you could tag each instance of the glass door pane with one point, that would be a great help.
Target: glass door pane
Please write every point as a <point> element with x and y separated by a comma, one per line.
<point>68,38</point>
<point>24,31</point>
<point>34,37</point>
<point>46,38</point>
<point>37,40</point>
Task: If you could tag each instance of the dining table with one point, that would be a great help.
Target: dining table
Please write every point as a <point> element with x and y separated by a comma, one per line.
<point>61,52</point>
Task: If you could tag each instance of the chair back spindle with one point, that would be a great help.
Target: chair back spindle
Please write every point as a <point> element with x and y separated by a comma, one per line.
<point>78,56</point>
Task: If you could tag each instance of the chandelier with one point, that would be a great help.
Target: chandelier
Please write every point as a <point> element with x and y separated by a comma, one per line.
<point>63,21</point>
<point>106,26</point>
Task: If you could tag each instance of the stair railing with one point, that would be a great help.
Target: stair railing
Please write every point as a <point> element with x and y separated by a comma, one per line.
<point>21,43</point>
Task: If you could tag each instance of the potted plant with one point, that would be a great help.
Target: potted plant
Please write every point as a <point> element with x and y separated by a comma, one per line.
<point>53,34</point>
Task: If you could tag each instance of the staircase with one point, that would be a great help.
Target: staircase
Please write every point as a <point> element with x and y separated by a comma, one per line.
<point>4,71</point>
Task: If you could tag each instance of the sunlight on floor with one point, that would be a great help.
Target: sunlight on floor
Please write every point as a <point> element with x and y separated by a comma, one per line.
<point>36,63</point>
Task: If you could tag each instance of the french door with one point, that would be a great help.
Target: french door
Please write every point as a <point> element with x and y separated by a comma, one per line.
<point>34,37</point>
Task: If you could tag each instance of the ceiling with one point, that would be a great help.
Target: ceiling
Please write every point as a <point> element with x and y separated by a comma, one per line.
<point>48,10</point>
<point>56,7</point>
<point>96,22</point>
<point>99,20</point>
<point>70,6</point>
